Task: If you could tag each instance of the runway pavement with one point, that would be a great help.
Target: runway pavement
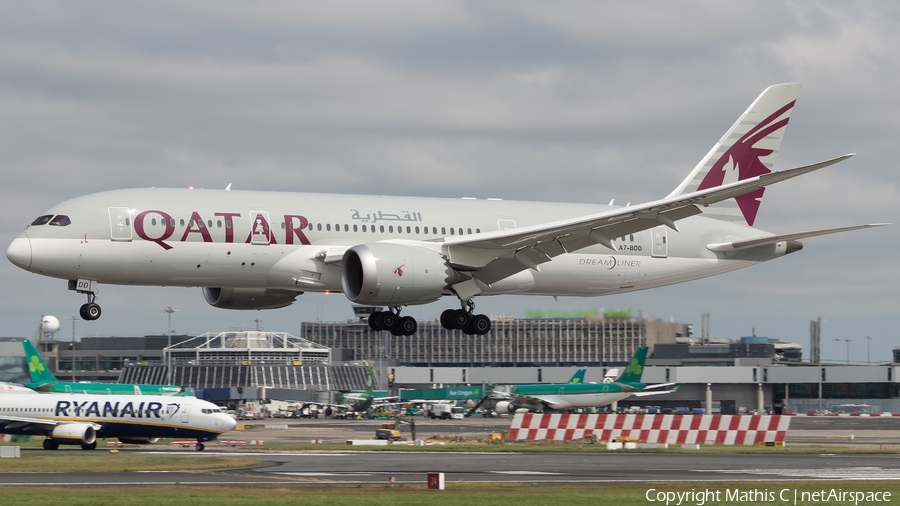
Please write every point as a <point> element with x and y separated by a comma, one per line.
<point>324,468</point>
<point>354,466</point>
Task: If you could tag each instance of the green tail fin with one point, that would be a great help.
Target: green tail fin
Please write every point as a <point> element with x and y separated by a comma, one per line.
<point>578,377</point>
<point>635,368</point>
<point>370,385</point>
<point>39,371</point>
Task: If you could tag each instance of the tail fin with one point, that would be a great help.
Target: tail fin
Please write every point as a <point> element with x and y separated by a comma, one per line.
<point>370,385</point>
<point>747,149</point>
<point>635,368</point>
<point>578,377</point>
<point>39,371</point>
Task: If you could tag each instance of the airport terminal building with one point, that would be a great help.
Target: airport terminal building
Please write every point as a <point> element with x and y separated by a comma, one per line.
<point>726,376</point>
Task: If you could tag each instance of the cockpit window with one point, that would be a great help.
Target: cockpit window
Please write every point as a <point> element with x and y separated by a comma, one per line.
<point>60,220</point>
<point>42,220</point>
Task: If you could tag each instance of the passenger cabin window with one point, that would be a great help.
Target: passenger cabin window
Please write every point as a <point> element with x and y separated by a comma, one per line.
<point>42,220</point>
<point>60,221</point>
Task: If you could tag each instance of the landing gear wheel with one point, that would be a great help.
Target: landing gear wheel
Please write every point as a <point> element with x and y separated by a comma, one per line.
<point>460,319</point>
<point>407,326</point>
<point>447,319</point>
<point>373,320</point>
<point>89,446</point>
<point>388,320</point>
<point>200,447</point>
<point>50,444</point>
<point>90,311</point>
<point>479,325</point>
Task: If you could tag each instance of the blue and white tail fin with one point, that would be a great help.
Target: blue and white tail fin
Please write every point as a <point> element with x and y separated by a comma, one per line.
<point>747,149</point>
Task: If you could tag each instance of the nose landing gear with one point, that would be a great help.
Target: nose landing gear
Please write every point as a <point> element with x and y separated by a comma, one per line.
<point>91,310</point>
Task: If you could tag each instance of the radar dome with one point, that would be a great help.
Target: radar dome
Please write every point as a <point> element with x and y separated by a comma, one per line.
<point>49,324</point>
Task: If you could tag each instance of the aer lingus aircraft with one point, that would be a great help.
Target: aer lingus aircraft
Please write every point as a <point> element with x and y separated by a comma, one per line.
<point>260,250</point>
<point>79,419</point>
<point>564,396</point>
<point>44,381</point>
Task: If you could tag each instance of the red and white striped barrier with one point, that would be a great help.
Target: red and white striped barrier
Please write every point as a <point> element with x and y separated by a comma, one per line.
<point>862,415</point>
<point>672,429</point>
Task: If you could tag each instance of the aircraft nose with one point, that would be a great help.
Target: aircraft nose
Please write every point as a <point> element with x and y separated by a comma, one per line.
<point>227,423</point>
<point>19,252</point>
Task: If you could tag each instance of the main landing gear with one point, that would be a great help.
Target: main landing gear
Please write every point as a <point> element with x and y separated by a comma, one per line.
<point>466,320</point>
<point>393,322</point>
<point>451,319</point>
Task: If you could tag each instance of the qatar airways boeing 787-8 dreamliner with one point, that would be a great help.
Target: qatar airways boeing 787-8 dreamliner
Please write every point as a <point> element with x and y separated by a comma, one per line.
<point>260,250</point>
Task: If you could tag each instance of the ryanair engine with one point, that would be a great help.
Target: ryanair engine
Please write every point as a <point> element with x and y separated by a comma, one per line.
<point>393,274</point>
<point>84,434</point>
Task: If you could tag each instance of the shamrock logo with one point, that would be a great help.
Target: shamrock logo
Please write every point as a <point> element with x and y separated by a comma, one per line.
<point>36,365</point>
<point>634,367</point>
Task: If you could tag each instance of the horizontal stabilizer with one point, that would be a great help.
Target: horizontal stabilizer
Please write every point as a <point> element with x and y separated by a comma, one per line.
<point>752,243</point>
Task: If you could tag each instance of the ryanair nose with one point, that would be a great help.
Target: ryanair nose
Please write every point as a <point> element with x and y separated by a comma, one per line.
<point>19,252</point>
<point>225,422</point>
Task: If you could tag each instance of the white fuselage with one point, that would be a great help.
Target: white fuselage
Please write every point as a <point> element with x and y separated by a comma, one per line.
<point>129,416</point>
<point>248,239</point>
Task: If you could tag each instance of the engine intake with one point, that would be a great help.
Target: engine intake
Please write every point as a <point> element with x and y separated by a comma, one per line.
<point>249,298</point>
<point>506,407</point>
<point>393,274</point>
<point>74,434</point>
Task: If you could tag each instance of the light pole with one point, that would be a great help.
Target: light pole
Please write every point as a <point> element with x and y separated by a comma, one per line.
<point>848,347</point>
<point>169,310</point>
<point>73,318</point>
<point>868,357</point>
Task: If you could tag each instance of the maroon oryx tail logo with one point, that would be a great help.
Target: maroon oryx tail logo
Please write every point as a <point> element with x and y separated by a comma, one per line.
<point>399,270</point>
<point>742,161</point>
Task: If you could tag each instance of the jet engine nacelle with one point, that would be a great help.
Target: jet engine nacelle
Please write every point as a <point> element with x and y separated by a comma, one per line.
<point>506,407</point>
<point>393,274</point>
<point>249,298</point>
<point>74,433</point>
<point>138,440</point>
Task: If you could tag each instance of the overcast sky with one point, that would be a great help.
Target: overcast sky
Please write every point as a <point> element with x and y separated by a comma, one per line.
<point>553,101</point>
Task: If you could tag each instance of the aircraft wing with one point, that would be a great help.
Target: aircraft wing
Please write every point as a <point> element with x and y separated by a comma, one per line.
<point>752,243</point>
<point>498,255</point>
<point>41,387</point>
<point>15,387</point>
<point>15,422</point>
<point>644,392</point>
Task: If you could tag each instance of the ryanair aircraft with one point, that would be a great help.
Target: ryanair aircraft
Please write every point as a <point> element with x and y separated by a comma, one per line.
<point>79,419</point>
<point>260,250</point>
